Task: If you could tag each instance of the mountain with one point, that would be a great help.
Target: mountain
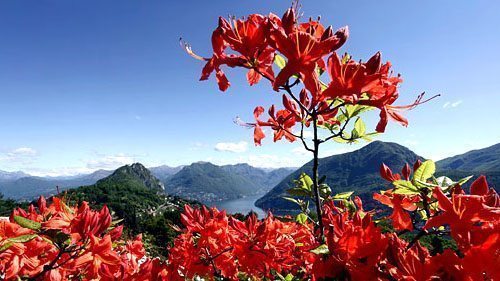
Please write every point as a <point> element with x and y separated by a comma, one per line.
<point>10,176</point>
<point>207,182</point>
<point>135,174</point>
<point>357,171</point>
<point>164,172</point>
<point>30,187</point>
<point>485,161</point>
<point>266,178</point>
<point>480,160</point>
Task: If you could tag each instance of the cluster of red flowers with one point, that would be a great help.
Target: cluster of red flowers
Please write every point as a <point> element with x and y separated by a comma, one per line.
<point>214,244</point>
<point>356,247</point>
<point>63,243</point>
<point>58,242</point>
<point>309,49</point>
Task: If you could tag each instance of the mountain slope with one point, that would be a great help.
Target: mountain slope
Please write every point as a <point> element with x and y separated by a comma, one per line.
<point>357,171</point>
<point>207,182</point>
<point>480,160</point>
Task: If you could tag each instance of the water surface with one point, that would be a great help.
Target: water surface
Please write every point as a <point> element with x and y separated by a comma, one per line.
<point>241,205</point>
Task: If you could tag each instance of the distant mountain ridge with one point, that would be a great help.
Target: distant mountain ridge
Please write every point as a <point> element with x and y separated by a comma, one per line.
<point>8,176</point>
<point>485,159</point>
<point>138,173</point>
<point>29,187</point>
<point>164,172</point>
<point>206,182</point>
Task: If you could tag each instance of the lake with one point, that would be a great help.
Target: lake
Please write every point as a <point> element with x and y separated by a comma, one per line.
<point>241,205</point>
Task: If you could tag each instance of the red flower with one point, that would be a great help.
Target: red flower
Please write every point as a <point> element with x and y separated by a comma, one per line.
<point>281,122</point>
<point>462,213</point>
<point>99,259</point>
<point>481,261</point>
<point>401,220</point>
<point>248,38</point>
<point>355,243</point>
<point>351,79</point>
<point>304,45</point>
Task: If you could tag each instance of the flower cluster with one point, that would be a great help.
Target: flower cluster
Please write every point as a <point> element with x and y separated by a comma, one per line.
<point>357,248</point>
<point>63,243</point>
<point>302,51</point>
<point>59,242</point>
<point>215,245</point>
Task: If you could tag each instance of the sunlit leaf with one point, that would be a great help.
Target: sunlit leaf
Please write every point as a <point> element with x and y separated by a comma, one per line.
<point>279,61</point>
<point>27,223</point>
<point>23,238</point>
<point>321,250</point>
<point>301,218</point>
<point>425,171</point>
<point>343,195</point>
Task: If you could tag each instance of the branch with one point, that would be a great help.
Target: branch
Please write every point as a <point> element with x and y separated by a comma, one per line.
<point>340,133</point>
<point>303,139</point>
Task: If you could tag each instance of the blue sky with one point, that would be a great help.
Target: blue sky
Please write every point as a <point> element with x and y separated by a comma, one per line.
<point>96,84</point>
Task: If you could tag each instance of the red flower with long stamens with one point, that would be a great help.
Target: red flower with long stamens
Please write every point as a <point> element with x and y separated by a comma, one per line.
<point>246,37</point>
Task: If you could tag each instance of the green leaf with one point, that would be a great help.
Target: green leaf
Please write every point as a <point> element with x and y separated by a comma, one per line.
<point>27,223</point>
<point>289,277</point>
<point>301,218</point>
<point>360,127</point>
<point>340,140</point>
<point>425,171</point>
<point>404,187</point>
<point>22,238</point>
<point>464,180</point>
<point>343,195</point>
<point>279,61</point>
<point>325,190</point>
<point>292,200</point>
<point>115,222</point>
<point>421,184</point>
<point>305,182</point>
<point>6,245</point>
<point>321,250</point>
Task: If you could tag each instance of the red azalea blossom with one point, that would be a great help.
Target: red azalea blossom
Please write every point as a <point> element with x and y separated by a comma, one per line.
<point>401,220</point>
<point>304,45</point>
<point>463,213</point>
